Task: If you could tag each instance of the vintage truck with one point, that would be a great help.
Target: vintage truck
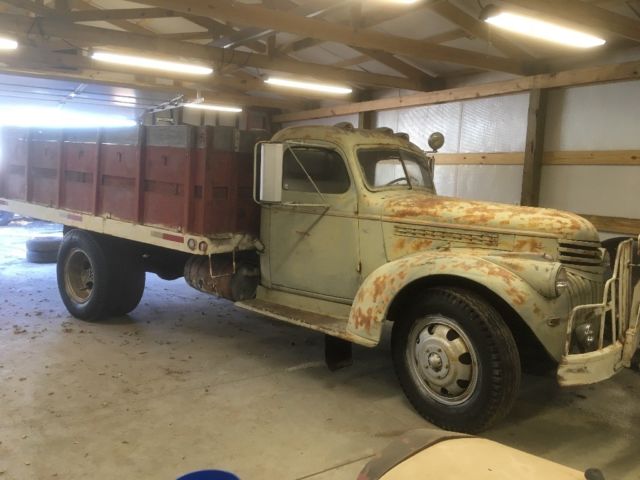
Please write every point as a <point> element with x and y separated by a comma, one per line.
<point>339,230</point>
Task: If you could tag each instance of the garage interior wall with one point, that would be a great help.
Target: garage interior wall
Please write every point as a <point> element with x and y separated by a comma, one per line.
<point>602,117</point>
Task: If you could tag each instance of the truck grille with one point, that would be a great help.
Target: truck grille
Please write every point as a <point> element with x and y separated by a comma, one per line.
<point>585,256</point>
<point>583,290</point>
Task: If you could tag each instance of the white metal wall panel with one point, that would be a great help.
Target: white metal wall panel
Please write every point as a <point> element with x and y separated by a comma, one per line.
<point>495,183</point>
<point>595,117</point>
<point>596,190</point>
<point>445,178</point>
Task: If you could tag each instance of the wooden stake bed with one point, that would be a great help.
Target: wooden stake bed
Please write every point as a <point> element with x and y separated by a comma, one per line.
<point>163,185</point>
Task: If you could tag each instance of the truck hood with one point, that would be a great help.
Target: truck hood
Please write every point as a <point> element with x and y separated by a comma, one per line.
<point>423,207</point>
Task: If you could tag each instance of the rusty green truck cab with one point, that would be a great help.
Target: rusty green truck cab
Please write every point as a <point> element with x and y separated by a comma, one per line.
<point>358,236</point>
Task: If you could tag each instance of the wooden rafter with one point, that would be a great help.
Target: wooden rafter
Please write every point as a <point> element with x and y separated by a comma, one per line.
<point>478,29</point>
<point>306,10</point>
<point>125,25</point>
<point>583,76</point>
<point>286,22</point>
<point>438,38</point>
<point>108,15</point>
<point>59,28</point>
<point>38,62</point>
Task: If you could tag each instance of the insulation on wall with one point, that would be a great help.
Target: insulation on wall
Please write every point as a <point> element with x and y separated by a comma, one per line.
<point>484,125</point>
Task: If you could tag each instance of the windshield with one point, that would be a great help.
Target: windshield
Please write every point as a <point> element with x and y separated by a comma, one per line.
<point>389,167</point>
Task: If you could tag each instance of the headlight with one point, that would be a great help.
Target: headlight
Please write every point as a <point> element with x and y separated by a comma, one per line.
<point>586,334</point>
<point>562,281</point>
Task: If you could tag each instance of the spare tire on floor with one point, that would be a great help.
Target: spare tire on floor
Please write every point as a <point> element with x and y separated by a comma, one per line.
<point>5,218</point>
<point>43,249</point>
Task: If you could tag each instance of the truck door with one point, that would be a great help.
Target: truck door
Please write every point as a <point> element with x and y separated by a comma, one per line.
<point>313,237</point>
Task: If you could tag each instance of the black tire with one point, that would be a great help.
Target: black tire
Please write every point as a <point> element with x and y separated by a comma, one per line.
<point>445,316</point>
<point>5,218</point>
<point>84,276</point>
<point>611,246</point>
<point>42,257</point>
<point>44,244</point>
<point>129,281</point>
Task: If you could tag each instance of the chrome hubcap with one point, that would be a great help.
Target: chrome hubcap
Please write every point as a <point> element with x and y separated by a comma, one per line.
<point>78,276</point>
<point>442,360</point>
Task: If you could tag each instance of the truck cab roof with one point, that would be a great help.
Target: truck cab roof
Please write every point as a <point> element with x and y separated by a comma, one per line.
<point>347,136</point>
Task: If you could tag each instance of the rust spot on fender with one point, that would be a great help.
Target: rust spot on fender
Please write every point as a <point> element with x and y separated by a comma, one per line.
<point>517,296</point>
<point>379,285</point>
<point>363,320</point>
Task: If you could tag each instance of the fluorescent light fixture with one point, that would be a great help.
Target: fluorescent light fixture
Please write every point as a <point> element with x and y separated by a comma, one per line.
<point>316,87</point>
<point>48,117</point>
<point>215,108</point>
<point>152,63</point>
<point>8,44</point>
<point>541,29</point>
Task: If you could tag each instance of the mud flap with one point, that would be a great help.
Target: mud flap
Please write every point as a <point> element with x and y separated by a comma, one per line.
<point>337,353</point>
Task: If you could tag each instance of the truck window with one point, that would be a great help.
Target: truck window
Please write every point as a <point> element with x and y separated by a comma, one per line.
<point>326,167</point>
<point>388,167</point>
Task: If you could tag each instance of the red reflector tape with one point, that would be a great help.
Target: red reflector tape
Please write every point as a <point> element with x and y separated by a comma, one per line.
<point>172,238</point>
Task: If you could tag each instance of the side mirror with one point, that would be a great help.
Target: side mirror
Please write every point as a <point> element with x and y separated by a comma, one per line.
<point>271,158</point>
<point>436,141</point>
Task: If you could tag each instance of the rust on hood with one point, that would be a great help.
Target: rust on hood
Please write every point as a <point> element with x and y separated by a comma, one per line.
<point>423,207</point>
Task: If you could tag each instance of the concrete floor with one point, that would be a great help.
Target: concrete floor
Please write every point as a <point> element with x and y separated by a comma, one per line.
<point>188,382</point>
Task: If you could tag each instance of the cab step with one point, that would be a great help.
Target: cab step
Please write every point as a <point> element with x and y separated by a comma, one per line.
<point>333,326</point>
<point>337,342</point>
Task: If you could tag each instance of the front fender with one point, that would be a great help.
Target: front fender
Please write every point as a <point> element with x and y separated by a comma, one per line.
<point>546,317</point>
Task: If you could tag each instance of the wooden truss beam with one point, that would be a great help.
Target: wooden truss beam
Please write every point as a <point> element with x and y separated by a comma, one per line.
<point>252,15</point>
<point>37,63</point>
<point>154,45</point>
<point>583,76</point>
<point>478,29</point>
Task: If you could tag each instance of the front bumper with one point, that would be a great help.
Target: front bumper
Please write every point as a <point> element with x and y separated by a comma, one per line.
<point>617,316</point>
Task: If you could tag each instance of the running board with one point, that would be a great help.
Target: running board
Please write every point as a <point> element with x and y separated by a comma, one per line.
<point>337,342</point>
<point>333,326</point>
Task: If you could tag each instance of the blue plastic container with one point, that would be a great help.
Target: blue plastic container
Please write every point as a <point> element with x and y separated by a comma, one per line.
<point>209,475</point>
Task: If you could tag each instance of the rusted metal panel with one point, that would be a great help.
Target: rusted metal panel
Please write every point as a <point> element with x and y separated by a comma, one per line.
<point>183,178</point>
<point>117,181</point>
<point>78,176</point>
<point>45,157</point>
<point>15,154</point>
<point>507,280</point>
<point>164,186</point>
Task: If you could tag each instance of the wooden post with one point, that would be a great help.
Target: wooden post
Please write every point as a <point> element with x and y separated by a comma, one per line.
<point>366,120</point>
<point>534,148</point>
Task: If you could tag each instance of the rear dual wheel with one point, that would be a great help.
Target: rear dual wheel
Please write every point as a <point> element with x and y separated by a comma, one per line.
<point>456,360</point>
<point>96,278</point>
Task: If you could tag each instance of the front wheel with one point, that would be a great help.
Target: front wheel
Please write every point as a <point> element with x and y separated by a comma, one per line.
<point>456,360</point>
